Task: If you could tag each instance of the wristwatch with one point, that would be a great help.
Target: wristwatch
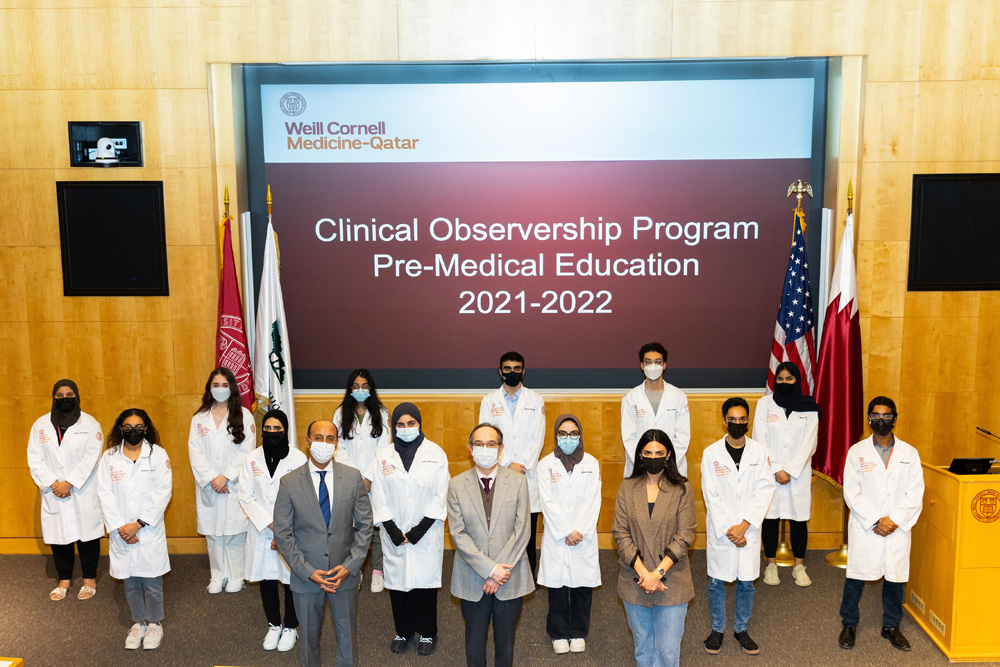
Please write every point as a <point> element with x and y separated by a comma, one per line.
<point>661,572</point>
<point>142,523</point>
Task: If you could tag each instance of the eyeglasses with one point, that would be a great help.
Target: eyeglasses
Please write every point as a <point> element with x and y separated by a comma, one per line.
<point>565,434</point>
<point>492,444</point>
<point>652,362</point>
<point>138,430</point>
<point>364,387</point>
<point>887,419</point>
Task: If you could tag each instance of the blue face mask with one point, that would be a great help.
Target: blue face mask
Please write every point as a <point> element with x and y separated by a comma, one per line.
<point>360,395</point>
<point>408,434</point>
<point>568,444</point>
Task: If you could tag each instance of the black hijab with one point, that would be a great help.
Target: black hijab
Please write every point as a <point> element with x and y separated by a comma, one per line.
<point>274,453</point>
<point>406,450</point>
<point>794,402</point>
<point>62,419</point>
<point>569,461</point>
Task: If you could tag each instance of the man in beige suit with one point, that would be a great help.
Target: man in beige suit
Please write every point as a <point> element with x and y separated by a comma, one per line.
<point>489,515</point>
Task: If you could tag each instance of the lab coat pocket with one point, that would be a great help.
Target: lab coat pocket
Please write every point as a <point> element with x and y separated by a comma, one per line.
<point>51,503</point>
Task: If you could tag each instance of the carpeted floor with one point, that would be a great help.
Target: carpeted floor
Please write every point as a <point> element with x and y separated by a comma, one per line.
<point>793,626</point>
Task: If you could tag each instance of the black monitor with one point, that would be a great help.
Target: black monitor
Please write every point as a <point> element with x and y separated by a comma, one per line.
<point>970,466</point>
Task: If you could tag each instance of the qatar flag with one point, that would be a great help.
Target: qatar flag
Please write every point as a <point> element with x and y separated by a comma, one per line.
<point>839,390</point>
<point>230,335</point>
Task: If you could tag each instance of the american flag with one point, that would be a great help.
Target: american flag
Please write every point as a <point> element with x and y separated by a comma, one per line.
<point>795,330</point>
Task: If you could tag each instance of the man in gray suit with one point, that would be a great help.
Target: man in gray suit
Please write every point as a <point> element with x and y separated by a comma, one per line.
<point>322,528</point>
<point>489,516</point>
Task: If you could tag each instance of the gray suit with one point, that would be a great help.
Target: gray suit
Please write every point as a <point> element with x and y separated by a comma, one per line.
<point>307,544</point>
<point>479,547</point>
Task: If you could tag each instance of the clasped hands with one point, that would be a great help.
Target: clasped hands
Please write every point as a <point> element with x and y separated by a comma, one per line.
<point>573,538</point>
<point>736,533</point>
<point>130,532</point>
<point>782,477</point>
<point>499,577</point>
<point>330,580</point>
<point>219,484</point>
<point>61,488</point>
<point>885,527</point>
<point>651,582</point>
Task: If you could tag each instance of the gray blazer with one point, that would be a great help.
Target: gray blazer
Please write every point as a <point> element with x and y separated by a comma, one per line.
<point>670,528</point>
<point>478,549</point>
<point>301,534</point>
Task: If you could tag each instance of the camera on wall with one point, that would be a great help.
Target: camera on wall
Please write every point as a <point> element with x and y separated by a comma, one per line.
<point>106,152</point>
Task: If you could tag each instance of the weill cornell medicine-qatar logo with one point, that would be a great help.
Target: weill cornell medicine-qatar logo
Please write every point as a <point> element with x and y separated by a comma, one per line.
<point>292,104</point>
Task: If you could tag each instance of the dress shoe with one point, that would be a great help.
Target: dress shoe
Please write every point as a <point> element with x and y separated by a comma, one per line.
<point>426,646</point>
<point>846,639</point>
<point>713,644</point>
<point>399,644</point>
<point>896,638</point>
<point>748,645</point>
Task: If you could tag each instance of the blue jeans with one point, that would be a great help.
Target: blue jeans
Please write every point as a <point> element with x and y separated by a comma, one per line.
<point>892,603</point>
<point>657,633</point>
<point>717,604</point>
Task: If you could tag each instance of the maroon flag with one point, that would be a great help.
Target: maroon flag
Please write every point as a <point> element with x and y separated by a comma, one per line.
<point>231,338</point>
<point>839,389</point>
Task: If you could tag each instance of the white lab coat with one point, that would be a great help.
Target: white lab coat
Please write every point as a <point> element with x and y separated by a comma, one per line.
<point>66,520</point>
<point>357,449</point>
<point>258,489</point>
<point>212,453</point>
<point>732,496</point>
<point>672,417</point>
<point>406,497</point>
<point>872,491</point>
<point>792,443</point>
<point>569,501</point>
<point>523,432</point>
<point>130,491</point>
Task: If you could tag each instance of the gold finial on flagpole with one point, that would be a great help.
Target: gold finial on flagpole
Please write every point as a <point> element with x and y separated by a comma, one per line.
<point>850,197</point>
<point>225,199</point>
<point>798,188</point>
<point>269,200</point>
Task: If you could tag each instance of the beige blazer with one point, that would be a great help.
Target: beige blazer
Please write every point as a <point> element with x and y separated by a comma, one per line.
<point>670,528</point>
<point>479,548</point>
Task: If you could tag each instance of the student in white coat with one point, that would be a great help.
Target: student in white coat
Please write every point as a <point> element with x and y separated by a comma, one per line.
<point>884,489</point>
<point>134,483</point>
<point>569,494</point>
<point>655,404</point>
<point>222,436</point>
<point>787,423</point>
<point>520,414</point>
<point>63,449</point>
<point>363,424</point>
<point>737,482</point>
<point>259,482</point>
<point>409,500</point>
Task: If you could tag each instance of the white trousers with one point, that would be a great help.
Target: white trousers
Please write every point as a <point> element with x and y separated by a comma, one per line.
<point>225,556</point>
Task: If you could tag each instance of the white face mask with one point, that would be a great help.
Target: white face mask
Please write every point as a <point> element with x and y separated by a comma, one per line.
<point>408,434</point>
<point>485,457</point>
<point>221,394</point>
<point>653,372</point>
<point>322,452</point>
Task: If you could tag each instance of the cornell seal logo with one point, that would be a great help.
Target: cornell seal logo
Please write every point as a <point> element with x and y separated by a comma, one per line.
<point>292,104</point>
<point>986,506</point>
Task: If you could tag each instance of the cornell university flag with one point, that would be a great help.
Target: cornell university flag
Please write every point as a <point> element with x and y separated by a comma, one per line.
<point>230,336</point>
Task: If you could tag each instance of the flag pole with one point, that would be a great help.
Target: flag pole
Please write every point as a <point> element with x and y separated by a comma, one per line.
<point>838,558</point>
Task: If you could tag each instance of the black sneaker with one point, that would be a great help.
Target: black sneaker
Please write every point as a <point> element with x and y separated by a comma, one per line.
<point>896,638</point>
<point>846,639</point>
<point>748,645</point>
<point>714,643</point>
<point>399,644</point>
<point>426,646</point>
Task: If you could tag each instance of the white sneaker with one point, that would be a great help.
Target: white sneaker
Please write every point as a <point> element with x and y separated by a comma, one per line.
<point>214,587</point>
<point>800,576</point>
<point>154,635</point>
<point>234,586</point>
<point>560,645</point>
<point>577,645</point>
<point>288,638</point>
<point>771,574</point>
<point>272,637</point>
<point>134,637</point>
<point>378,583</point>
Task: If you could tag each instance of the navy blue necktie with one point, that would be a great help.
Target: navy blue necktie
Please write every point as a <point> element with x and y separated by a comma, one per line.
<point>324,497</point>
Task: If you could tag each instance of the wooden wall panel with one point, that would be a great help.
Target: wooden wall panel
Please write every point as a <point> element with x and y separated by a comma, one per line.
<point>895,56</point>
<point>959,40</point>
<point>441,31</point>
<point>956,120</point>
<point>602,29</point>
<point>889,118</point>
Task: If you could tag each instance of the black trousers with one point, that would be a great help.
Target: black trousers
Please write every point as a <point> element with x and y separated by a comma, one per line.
<point>532,556</point>
<point>415,610</point>
<point>504,615</point>
<point>892,603</point>
<point>272,605</point>
<point>798,533</point>
<point>65,558</point>
<point>569,612</point>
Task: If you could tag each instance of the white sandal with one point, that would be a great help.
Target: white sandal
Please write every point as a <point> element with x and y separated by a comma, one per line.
<point>58,593</point>
<point>86,592</point>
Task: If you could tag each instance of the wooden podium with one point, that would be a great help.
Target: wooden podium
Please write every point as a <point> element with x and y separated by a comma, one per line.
<point>954,587</point>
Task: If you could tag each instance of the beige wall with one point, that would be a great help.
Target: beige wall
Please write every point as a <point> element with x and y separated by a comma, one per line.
<point>922,96</point>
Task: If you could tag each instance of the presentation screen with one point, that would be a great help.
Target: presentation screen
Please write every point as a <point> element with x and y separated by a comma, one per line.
<point>431,217</point>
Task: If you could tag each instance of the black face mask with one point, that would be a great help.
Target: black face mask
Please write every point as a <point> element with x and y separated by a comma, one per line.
<point>512,379</point>
<point>737,431</point>
<point>274,439</point>
<point>67,404</point>
<point>881,428</point>
<point>785,388</point>
<point>654,465</point>
<point>133,437</point>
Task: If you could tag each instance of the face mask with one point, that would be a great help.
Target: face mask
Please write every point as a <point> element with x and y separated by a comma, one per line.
<point>360,395</point>
<point>654,465</point>
<point>485,457</point>
<point>512,379</point>
<point>221,394</point>
<point>785,388</point>
<point>322,452</point>
<point>273,438</point>
<point>67,404</point>
<point>568,444</point>
<point>737,431</point>
<point>881,428</point>
<point>408,434</point>
<point>134,437</point>
<point>653,372</point>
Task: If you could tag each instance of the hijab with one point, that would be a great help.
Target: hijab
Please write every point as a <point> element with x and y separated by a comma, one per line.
<point>794,402</point>
<point>406,450</point>
<point>568,460</point>
<point>274,453</point>
<point>62,419</point>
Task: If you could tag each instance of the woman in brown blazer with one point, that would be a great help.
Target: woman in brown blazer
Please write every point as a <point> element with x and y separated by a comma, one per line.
<point>653,529</point>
